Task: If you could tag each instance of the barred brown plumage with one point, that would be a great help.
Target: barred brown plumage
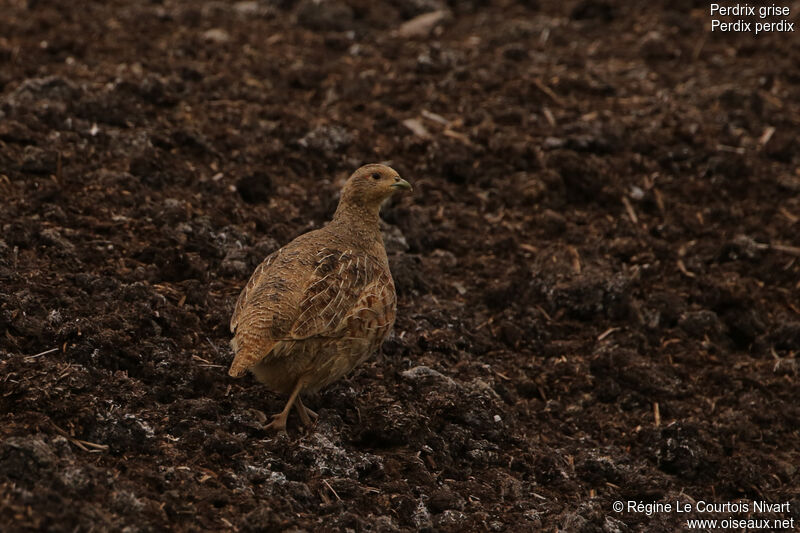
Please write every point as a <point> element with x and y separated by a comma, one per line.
<point>319,306</point>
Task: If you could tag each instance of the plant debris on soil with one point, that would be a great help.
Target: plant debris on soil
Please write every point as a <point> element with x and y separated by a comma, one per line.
<point>598,272</point>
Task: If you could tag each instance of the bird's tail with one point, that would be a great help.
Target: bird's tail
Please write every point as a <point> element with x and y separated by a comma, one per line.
<point>246,356</point>
<point>237,370</point>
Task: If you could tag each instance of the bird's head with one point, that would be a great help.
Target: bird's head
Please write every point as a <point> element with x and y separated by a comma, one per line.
<point>370,185</point>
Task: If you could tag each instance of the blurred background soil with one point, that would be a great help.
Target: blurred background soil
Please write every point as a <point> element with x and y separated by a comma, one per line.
<point>598,273</point>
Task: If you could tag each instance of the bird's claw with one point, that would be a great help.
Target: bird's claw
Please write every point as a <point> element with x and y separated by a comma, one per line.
<point>278,423</point>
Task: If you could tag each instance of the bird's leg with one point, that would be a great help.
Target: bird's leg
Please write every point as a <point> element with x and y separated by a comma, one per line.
<point>279,420</point>
<point>304,412</point>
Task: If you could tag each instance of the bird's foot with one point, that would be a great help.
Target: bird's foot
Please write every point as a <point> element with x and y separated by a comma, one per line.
<point>278,423</point>
<point>305,413</point>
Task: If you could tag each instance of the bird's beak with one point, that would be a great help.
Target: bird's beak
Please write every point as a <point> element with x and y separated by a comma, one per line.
<point>400,183</point>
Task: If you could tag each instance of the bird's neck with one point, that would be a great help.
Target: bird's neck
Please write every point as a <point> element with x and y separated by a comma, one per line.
<point>363,222</point>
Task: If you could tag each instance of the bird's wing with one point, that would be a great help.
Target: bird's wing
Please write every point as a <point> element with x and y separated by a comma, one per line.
<point>264,311</point>
<point>292,297</point>
<point>255,280</point>
<point>333,289</point>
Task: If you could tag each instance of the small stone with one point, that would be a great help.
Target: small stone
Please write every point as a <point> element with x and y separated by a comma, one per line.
<point>327,139</point>
<point>217,35</point>
<point>393,239</point>
<point>246,8</point>
<point>450,518</point>
<point>553,142</point>
<point>421,25</point>
<point>426,374</point>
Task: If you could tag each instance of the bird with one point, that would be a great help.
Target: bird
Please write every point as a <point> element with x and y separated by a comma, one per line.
<point>321,305</point>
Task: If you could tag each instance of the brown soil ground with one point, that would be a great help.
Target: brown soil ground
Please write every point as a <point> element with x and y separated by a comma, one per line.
<point>598,295</point>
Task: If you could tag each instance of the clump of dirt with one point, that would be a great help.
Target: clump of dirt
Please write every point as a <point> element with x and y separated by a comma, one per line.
<point>597,272</point>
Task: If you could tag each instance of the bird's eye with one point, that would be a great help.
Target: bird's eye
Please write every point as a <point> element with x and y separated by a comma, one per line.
<point>376,176</point>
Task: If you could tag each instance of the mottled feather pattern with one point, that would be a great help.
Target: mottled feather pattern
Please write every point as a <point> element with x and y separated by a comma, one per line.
<point>322,304</point>
<point>340,296</point>
<point>248,289</point>
<point>330,295</point>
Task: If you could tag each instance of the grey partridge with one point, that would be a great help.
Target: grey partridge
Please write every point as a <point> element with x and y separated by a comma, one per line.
<point>318,307</point>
